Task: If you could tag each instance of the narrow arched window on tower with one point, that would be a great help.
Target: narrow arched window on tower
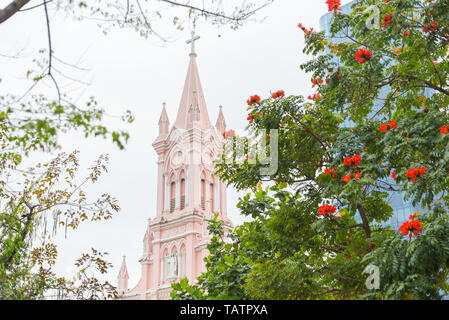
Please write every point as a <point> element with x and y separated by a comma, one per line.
<point>183,262</point>
<point>172,196</point>
<point>203,194</point>
<point>212,197</point>
<point>183,193</point>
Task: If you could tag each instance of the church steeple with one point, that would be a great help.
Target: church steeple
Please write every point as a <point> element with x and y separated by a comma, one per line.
<point>189,193</point>
<point>192,110</point>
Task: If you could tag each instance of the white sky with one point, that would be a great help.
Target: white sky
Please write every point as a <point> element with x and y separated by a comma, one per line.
<point>130,72</point>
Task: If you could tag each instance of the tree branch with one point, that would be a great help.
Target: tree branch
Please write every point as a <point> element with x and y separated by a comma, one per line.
<point>366,226</point>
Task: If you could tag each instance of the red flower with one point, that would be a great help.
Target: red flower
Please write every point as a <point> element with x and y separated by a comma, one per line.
<point>253,100</point>
<point>326,209</point>
<point>346,178</point>
<point>358,175</point>
<point>406,33</point>
<point>314,97</point>
<point>347,162</point>
<point>228,134</point>
<point>387,20</point>
<point>444,130</point>
<point>383,127</point>
<point>332,172</point>
<point>421,170</point>
<point>393,175</point>
<point>413,216</point>
<point>250,118</point>
<point>316,81</point>
<point>334,5</point>
<point>278,94</point>
<point>410,228</point>
<point>416,172</point>
<point>363,55</point>
<point>356,160</point>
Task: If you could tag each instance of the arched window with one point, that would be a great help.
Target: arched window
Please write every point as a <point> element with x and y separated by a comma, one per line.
<point>183,190</point>
<point>183,262</point>
<point>172,196</point>
<point>164,191</point>
<point>164,270</point>
<point>203,194</point>
<point>212,197</point>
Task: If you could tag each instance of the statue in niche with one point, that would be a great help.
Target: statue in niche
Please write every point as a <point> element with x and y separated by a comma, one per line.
<point>172,266</point>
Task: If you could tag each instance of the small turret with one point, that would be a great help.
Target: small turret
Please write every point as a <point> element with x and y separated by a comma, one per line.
<point>221,123</point>
<point>123,278</point>
<point>164,123</point>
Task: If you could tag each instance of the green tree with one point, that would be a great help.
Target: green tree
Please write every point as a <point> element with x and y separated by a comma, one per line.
<point>376,126</point>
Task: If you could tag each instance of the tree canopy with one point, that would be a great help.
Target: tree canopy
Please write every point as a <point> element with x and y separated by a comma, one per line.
<point>373,130</point>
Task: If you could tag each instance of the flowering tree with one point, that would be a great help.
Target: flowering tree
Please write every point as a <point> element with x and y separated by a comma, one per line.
<point>374,126</point>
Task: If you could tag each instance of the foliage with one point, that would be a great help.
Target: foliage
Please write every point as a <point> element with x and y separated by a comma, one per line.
<point>374,131</point>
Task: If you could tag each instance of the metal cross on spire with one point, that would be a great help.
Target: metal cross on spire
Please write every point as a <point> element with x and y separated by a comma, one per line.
<point>192,42</point>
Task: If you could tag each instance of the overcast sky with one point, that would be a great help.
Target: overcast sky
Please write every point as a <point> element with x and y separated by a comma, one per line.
<point>127,71</point>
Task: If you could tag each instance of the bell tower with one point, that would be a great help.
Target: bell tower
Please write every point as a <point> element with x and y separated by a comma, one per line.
<point>188,193</point>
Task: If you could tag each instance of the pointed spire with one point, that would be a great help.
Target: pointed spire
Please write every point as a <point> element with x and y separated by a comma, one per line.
<point>221,123</point>
<point>164,123</point>
<point>123,277</point>
<point>192,109</point>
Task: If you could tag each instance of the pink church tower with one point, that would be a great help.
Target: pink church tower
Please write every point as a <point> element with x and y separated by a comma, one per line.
<point>188,193</point>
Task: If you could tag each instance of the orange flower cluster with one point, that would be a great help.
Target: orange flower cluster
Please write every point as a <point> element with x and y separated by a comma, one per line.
<point>348,177</point>
<point>278,94</point>
<point>363,56</point>
<point>355,160</point>
<point>326,210</point>
<point>332,172</point>
<point>387,20</point>
<point>412,227</point>
<point>334,5</point>
<point>416,172</point>
<point>314,97</point>
<point>384,127</point>
<point>306,32</point>
<point>228,134</point>
<point>253,100</point>
<point>317,82</point>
